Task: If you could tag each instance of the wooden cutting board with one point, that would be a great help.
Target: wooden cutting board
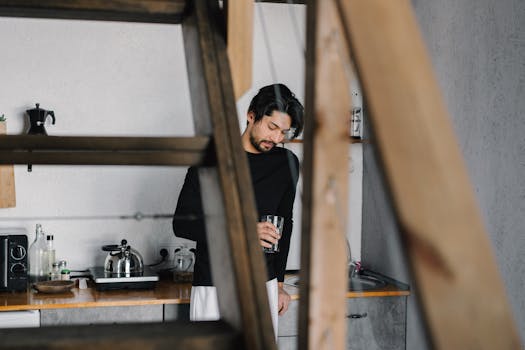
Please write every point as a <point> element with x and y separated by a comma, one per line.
<point>7,180</point>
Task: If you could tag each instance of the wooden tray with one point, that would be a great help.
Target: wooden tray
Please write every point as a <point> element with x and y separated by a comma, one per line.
<point>54,286</point>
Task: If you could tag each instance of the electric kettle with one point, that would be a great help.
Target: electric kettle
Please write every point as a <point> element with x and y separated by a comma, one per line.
<point>122,260</point>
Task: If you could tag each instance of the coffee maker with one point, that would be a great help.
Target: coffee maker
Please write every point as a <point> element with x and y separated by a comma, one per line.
<point>37,119</point>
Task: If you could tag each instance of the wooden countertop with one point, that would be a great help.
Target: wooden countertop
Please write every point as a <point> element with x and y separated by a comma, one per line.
<point>166,292</point>
<point>389,290</point>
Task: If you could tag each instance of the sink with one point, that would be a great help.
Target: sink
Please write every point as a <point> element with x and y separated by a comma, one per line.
<point>357,283</point>
<point>364,282</point>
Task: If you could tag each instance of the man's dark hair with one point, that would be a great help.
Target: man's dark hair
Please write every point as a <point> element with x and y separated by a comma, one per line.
<point>278,97</point>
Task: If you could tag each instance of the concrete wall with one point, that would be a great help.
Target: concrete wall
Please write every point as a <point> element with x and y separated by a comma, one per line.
<point>478,49</point>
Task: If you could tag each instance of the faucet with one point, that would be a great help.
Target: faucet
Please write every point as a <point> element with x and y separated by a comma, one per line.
<point>355,269</point>
<point>353,266</point>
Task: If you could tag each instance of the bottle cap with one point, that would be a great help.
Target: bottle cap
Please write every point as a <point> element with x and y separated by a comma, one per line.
<point>49,237</point>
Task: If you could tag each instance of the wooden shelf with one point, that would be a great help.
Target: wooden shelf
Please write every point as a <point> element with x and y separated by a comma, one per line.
<point>160,11</point>
<point>85,150</point>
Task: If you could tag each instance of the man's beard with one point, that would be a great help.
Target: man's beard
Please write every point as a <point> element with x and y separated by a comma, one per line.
<point>258,146</point>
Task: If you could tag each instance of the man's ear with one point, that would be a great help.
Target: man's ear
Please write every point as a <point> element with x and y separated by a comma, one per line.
<point>250,117</point>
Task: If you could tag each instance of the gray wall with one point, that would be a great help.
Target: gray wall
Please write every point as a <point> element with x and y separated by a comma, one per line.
<point>478,49</point>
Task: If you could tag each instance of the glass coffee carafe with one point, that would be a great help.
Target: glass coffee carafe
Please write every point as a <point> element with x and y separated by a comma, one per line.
<point>183,261</point>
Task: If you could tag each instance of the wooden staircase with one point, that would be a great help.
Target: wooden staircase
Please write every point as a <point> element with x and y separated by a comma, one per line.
<point>224,175</point>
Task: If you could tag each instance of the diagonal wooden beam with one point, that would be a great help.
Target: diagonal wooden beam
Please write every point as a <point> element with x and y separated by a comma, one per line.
<point>237,263</point>
<point>322,321</point>
<point>462,294</point>
<point>162,11</point>
<point>239,40</point>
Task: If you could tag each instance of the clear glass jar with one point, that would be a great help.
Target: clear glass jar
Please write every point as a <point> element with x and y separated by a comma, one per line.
<point>55,272</point>
<point>65,274</point>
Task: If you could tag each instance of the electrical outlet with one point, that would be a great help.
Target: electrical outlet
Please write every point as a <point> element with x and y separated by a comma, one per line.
<point>171,246</point>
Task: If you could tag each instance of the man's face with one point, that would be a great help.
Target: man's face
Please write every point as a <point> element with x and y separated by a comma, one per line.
<point>268,131</point>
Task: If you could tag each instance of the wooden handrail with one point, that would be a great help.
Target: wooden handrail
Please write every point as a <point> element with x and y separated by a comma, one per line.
<point>322,310</point>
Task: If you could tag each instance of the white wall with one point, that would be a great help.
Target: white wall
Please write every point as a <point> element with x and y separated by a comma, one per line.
<point>119,79</point>
<point>279,48</point>
<point>278,56</point>
<point>100,78</point>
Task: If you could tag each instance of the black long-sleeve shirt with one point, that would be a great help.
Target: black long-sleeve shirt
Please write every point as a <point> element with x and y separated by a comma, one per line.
<point>274,177</point>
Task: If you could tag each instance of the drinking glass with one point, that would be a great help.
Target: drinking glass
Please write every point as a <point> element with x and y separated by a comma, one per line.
<point>278,222</point>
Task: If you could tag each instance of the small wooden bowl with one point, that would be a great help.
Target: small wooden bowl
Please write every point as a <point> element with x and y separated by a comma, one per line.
<point>54,286</point>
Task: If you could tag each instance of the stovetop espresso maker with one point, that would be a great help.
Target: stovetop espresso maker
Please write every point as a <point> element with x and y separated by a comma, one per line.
<point>37,119</point>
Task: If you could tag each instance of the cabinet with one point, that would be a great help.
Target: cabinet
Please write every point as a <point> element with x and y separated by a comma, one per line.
<point>288,327</point>
<point>373,323</point>
<point>19,319</point>
<point>176,312</point>
<point>376,323</point>
<point>114,314</point>
<point>98,315</point>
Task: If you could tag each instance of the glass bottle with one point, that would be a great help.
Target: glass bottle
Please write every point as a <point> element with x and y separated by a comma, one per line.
<point>49,255</point>
<point>37,265</point>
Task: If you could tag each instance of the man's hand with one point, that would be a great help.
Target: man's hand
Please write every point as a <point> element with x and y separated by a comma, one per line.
<point>267,233</point>
<point>283,299</point>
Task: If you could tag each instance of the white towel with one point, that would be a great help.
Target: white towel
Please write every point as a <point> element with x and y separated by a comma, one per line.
<point>204,305</point>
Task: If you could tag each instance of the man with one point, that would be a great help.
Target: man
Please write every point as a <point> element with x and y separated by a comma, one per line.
<point>273,115</point>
